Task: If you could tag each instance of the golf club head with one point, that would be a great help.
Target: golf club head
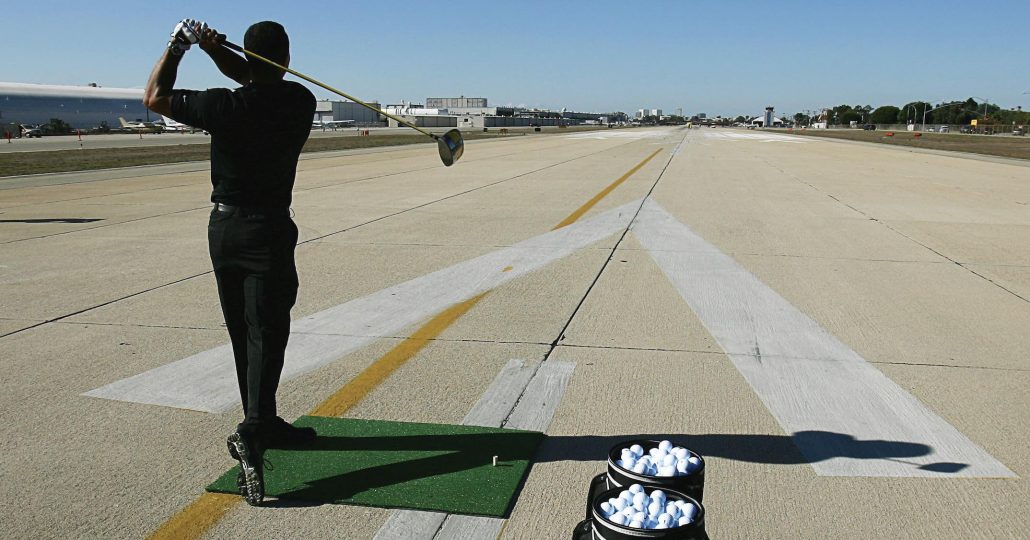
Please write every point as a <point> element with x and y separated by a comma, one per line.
<point>451,145</point>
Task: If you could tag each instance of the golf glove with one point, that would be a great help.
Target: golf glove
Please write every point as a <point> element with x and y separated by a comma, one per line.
<point>185,35</point>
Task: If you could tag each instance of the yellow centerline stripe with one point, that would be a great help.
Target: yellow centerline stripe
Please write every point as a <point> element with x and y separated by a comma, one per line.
<point>193,521</point>
<point>604,193</point>
<point>367,381</point>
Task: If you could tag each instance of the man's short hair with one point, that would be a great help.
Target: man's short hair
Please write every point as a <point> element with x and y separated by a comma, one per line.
<point>268,39</point>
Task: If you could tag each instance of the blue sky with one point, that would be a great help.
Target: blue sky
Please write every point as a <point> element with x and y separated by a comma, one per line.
<point>718,57</point>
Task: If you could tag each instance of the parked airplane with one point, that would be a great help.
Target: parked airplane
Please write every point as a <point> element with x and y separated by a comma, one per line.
<point>141,127</point>
<point>331,124</point>
<point>171,125</point>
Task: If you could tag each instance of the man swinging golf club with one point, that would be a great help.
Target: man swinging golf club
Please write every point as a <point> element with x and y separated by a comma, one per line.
<point>257,132</point>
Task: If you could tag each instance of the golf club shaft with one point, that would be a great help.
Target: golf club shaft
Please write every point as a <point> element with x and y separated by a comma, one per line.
<point>401,121</point>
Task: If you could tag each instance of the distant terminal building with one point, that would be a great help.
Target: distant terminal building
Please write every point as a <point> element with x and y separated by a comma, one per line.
<point>641,113</point>
<point>80,106</point>
<point>458,102</point>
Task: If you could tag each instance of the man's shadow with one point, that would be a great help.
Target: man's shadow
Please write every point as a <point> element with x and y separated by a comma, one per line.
<point>468,451</point>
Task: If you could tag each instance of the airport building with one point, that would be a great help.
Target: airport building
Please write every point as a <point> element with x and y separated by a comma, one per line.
<point>82,107</point>
<point>455,103</point>
<point>86,107</point>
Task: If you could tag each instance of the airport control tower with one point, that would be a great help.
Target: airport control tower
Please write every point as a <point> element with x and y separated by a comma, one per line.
<point>769,117</point>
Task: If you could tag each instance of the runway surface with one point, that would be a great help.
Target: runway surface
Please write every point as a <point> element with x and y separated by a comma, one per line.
<point>840,329</point>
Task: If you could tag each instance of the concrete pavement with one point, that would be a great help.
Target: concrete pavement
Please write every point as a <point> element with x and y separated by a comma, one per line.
<point>914,262</point>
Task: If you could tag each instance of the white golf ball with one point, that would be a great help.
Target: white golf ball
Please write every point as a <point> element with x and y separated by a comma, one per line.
<point>669,460</point>
<point>640,516</point>
<point>673,510</point>
<point>682,466</point>
<point>695,463</point>
<point>636,524</point>
<point>660,526</point>
<point>681,453</point>
<point>646,460</point>
<point>685,521</point>
<point>639,497</point>
<point>655,508</point>
<point>665,445</point>
<point>635,488</point>
<point>637,449</point>
<point>607,509</point>
<point>659,494</point>
<point>653,452</point>
<point>665,520</point>
<point>618,519</point>
<point>666,471</point>
<point>628,511</point>
<point>689,511</point>
<point>640,467</point>
<point>627,495</point>
<point>619,504</point>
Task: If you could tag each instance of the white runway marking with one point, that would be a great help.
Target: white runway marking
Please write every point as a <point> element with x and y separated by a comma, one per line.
<point>207,381</point>
<point>759,137</point>
<point>620,134</point>
<point>846,416</point>
<point>542,395</point>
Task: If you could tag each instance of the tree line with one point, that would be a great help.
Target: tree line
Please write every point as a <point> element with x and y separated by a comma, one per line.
<point>949,112</point>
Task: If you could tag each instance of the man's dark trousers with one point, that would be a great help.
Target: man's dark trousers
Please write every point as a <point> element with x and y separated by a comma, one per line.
<point>252,251</point>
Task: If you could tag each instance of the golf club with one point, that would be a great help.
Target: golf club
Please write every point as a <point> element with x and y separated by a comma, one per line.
<point>450,144</point>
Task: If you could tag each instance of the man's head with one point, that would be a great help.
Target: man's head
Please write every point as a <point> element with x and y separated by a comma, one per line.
<point>268,39</point>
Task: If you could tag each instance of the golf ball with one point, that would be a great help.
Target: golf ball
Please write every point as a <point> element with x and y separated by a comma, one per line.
<point>648,510</point>
<point>664,460</point>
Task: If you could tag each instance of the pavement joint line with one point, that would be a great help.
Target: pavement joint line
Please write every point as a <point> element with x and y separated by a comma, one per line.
<point>109,302</point>
<point>825,258</point>
<point>611,254</point>
<point>952,366</point>
<point>112,224</point>
<point>116,194</point>
<point>310,240</point>
<point>722,354</point>
<point>902,234</point>
<point>339,403</point>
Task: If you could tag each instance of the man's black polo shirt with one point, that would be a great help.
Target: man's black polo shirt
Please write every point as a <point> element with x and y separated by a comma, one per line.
<point>257,132</point>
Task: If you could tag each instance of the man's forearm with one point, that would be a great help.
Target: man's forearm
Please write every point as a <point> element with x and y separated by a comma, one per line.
<point>158,94</point>
<point>229,63</point>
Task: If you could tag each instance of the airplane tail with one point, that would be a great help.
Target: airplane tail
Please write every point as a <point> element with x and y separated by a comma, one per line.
<point>123,122</point>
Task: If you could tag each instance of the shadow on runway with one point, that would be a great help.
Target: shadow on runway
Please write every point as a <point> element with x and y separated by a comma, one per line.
<point>453,453</point>
<point>801,448</point>
<point>52,220</point>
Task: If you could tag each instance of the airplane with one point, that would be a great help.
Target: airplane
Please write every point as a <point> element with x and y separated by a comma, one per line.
<point>173,126</point>
<point>331,124</point>
<point>141,127</point>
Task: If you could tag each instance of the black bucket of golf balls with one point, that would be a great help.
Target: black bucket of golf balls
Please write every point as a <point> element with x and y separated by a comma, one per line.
<point>644,514</point>
<point>689,479</point>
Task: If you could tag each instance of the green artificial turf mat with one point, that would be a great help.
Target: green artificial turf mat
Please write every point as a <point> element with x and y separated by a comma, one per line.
<point>434,467</point>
